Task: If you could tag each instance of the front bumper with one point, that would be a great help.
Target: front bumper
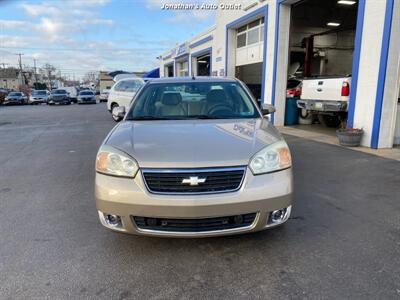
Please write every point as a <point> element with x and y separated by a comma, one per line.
<point>89,100</point>
<point>61,100</point>
<point>259,194</point>
<point>12,101</point>
<point>37,100</point>
<point>322,105</point>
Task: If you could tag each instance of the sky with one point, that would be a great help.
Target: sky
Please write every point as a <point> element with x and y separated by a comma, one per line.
<point>79,36</point>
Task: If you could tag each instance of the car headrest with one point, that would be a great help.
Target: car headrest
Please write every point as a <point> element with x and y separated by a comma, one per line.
<point>171,99</point>
<point>214,96</point>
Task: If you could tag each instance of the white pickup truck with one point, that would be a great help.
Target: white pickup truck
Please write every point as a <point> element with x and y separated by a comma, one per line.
<point>328,97</point>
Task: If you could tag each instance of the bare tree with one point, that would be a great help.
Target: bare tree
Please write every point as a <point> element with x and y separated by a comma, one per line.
<point>49,69</point>
<point>90,77</point>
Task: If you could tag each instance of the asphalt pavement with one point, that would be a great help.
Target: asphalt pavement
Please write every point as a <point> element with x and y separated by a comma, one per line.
<point>342,241</point>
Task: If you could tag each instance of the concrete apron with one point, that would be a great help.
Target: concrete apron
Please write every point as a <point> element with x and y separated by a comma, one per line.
<point>329,138</point>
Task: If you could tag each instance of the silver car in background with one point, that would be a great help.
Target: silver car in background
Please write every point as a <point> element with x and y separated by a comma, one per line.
<point>38,96</point>
<point>15,98</point>
<point>104,94</point>
<point>193,157</point>
<point>86,97</point>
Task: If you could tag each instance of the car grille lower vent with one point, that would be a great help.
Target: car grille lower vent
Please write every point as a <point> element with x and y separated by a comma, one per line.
<point>198,181</point>
<point>194,225</point>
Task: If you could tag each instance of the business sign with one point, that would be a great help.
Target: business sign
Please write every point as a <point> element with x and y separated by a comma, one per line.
<point>182,49</point>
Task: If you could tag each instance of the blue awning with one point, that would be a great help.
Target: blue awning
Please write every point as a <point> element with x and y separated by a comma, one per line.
<point>155,73</point>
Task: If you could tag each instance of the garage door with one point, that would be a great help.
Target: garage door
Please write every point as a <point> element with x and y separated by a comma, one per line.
<point>249,43</point>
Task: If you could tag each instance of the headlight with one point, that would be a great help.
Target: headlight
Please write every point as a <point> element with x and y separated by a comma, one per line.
<point>114,162</point>
<point>272,158</point>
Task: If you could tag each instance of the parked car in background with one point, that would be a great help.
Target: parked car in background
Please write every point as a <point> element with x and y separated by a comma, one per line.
<point>293,88</point>
<point>58,96</point>
<point>104,94</point>
<point>38,96</point>
<point>328,97</point>
<point>15,98</point>
<point>122,93</point>
<point>72,93</point>
<point>86,97</point>
<point>3,95</point>
<point>193,158</point>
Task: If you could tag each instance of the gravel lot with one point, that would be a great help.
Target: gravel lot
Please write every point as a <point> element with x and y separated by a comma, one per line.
<point>343,240</point>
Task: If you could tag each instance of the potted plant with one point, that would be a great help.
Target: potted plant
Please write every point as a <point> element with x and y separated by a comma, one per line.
<point>349,137</point>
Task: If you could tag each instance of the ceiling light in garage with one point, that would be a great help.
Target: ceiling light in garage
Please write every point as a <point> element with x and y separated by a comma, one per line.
<point>346,2</point>
<point>333,24</point>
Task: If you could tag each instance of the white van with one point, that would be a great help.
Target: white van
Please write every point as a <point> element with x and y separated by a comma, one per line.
<point>122,93</point>
<point>72,93</point>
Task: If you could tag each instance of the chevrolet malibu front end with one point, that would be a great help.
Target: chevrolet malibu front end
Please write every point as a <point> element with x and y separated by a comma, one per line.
<point>193,158</point>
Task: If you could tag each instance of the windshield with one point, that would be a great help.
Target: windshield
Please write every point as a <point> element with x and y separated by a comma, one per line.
<point>39,93</point>
<point>59,92</point>
<point>15,94</point>
<point>86,93</point>
<point>190,100</point>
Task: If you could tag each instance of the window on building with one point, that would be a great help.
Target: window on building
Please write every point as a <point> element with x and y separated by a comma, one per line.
<point>253,36</point>
<point>241,40</point>
<point>250,34</point>
<point>183,68</point>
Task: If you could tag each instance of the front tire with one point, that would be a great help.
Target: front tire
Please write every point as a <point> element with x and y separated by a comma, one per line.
<point>114,106</point>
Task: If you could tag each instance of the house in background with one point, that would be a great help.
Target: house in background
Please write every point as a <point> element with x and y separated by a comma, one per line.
<point>105,80</point>
<point>9,79</point>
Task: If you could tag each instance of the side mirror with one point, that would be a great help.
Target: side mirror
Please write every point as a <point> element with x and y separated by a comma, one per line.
<point>267,109</point>
<point>119,112</point>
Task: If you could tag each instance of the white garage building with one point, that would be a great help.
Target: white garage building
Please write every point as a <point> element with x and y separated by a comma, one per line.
<point>260,40</point>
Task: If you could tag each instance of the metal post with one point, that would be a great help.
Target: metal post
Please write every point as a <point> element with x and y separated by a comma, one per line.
<point>20,70</point>
<point>34,66</point>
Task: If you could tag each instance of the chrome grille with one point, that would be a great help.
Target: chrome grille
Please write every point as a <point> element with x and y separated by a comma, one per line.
<point>193,181</point>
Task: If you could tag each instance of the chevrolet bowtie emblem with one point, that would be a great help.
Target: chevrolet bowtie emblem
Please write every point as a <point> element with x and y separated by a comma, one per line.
<point>193,180</point>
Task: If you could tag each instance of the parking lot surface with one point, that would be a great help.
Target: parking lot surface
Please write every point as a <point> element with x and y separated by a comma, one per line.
<point>342,241</point>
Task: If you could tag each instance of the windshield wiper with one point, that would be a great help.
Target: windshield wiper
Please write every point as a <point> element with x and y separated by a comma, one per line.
<point>205,117</point>
<point>145,118</point>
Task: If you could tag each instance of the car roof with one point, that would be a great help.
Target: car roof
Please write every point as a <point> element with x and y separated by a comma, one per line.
<point>192,79</point>
<point>130,78</point>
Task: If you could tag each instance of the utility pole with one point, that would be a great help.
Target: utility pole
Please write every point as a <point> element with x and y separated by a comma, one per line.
<point>20,70</point>
<point>34,67</point>
<point>48,77</point>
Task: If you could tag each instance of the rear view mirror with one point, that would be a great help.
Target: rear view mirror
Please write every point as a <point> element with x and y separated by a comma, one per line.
<point>119,112</point>
<point>267,109</point>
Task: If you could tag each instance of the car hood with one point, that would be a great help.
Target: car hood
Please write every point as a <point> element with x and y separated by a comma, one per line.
<point>188,143</point>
